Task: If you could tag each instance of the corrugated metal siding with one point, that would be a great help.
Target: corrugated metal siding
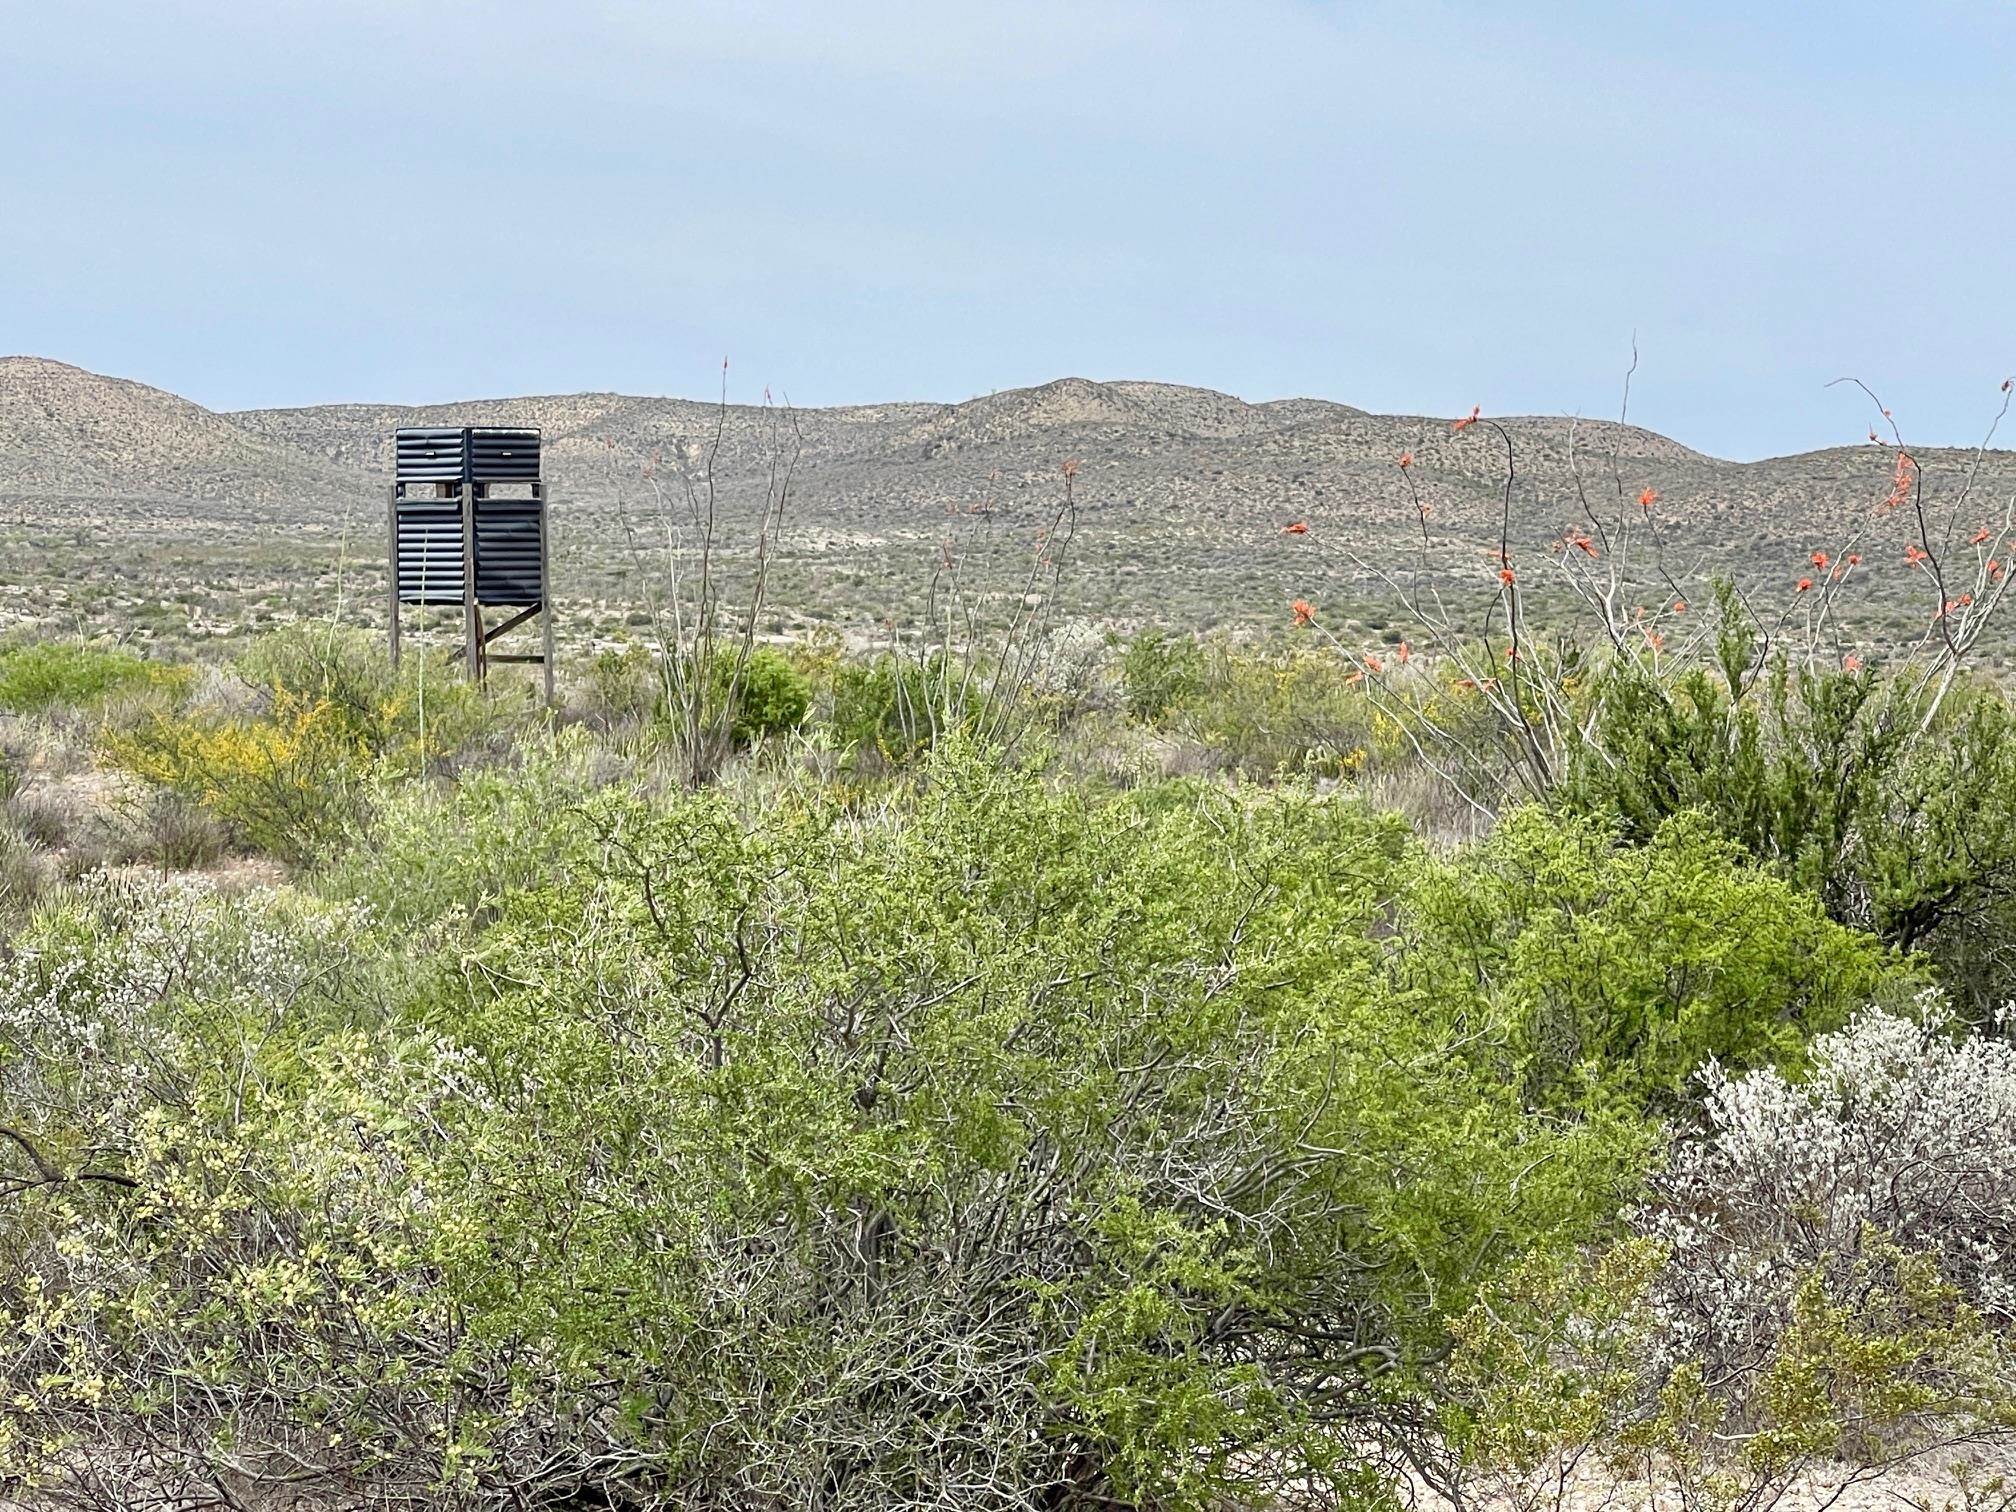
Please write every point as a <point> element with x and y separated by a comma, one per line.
<point>432,455</point>
<point>430,551</point>
<point>507,551</point>
<point>498,455</point>
<point>428,532</point>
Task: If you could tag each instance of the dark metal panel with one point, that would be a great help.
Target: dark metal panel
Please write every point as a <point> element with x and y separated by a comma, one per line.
<point>507,551</point>
<point>430,454</point>
<point>431,536</point>
<point>498,454</point>
<point>428,533</point>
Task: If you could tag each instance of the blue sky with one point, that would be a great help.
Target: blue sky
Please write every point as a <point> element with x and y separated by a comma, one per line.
<point>1413,207</point>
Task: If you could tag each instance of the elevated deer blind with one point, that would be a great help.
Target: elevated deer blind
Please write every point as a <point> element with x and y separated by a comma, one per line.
<point>468,527</point>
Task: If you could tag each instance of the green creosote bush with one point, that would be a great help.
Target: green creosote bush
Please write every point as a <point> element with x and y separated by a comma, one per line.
<point>767,694</point>
<point>771,695</point>
<point>1272,710</point>
<point>429,853</point>
<point>1159,671</point>
<point>1603,969</point>
<point>884,709</point>
<point>1006,1144</point>
<point>1832,780</point>
<point>44,675</point>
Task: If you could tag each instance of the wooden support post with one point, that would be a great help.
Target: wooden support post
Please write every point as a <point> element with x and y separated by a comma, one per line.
<point>545,589</point>
<point>472,615</point>
<point>392,571</point>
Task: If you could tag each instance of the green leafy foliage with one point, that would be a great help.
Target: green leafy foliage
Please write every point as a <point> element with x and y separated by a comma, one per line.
<point>964,1132</point>
<point>1902,821</point>
<point>1060,1129</point>
<point>1597,969</point>
<point>1159,671</point>
<point>768,693</point>
<point>42,675</point>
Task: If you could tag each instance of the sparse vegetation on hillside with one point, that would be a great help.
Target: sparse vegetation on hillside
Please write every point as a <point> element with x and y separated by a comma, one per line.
<point>127,511</point>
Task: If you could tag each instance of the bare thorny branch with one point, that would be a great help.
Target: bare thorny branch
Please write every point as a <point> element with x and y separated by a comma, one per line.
<point>703,642</point>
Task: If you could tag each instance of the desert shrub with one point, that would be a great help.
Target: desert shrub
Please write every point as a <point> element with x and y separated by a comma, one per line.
<point>159,1276</point>
<point>761,694</point>
<point>1000,1146</point>
<point>43,675</point>
<point>1271,711</point>
<point>1819,1275</point>
<point>833,1057</point>
<point>769,695</point>
<point>24,872</point>
<point>1158,671</point>
<point>287,782</point>
<point>1595,968</point>
<point>1567,1374</point>
<point>288,769</point>
<point>431,852</point>
<point>411,716</point>
<point>621,688</point>
<point>1894,1135</point>
<point>1901,818</point>
<point>883,709</point>
<point>166,830</point>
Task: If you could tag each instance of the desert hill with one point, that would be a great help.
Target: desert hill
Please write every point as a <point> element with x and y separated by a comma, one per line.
<point>1183,493</point>
<point>67,432</point>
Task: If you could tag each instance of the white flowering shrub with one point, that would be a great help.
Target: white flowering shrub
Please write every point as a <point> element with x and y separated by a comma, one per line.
<point>1899,1133</point>
<point>1819,1284</point>
<point>193,1236</point>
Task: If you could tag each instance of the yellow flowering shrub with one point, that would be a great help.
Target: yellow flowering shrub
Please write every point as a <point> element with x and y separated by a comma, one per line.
<point>285,782</point>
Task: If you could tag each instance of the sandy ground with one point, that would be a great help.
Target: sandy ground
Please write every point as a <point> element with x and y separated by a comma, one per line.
<point>1970,1479</point>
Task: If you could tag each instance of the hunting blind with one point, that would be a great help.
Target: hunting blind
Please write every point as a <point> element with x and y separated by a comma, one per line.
<point>468,527</point>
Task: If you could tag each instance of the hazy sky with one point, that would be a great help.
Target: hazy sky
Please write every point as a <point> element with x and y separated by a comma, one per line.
<point>1412,207</point>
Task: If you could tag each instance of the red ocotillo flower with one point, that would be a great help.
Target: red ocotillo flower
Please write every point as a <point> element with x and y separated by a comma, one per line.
<point>1805,584</point>
<point>1820,559</point>
<point>1507,576</point>
<point>1994,569</point>
<point>1914,554</point>
<point>1476,410</point>
<point>1647,497</point>
<point>1901,479</point>
<point>1679,606</point>
<point>1304,612</point>
<point>1979,536</point>
<point>1374,663</point>
<point>1406,460</point>
<point>1402,652</point>
<point>1853,559</point>
<point>1300,527</point>
<point>1851,663</point>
